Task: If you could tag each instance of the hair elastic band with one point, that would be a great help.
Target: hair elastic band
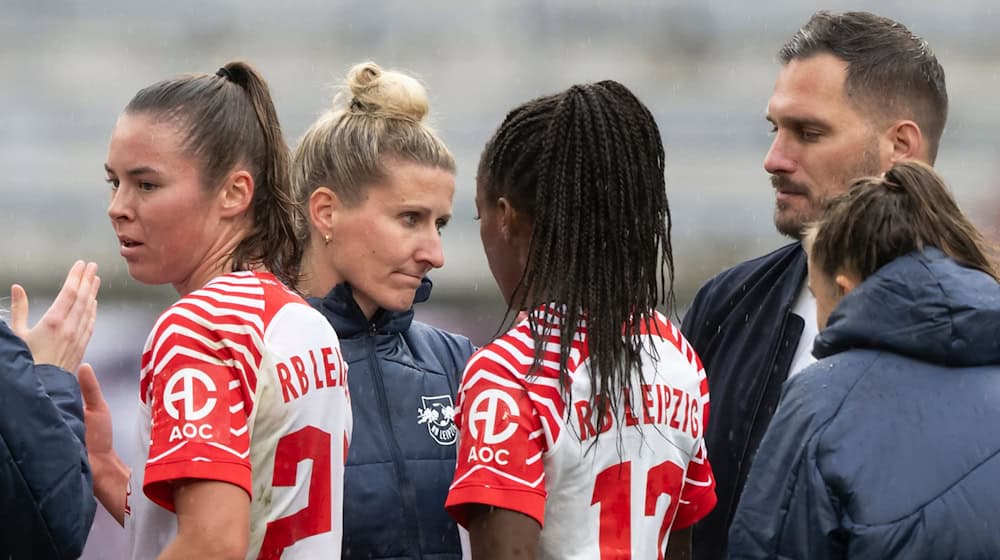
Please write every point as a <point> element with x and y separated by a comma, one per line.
<point>224,73</point>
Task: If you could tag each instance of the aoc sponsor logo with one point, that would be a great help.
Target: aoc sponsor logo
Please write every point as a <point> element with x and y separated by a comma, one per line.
<point>491,424</point>
<point>439,415</point>
<point>188,397</point>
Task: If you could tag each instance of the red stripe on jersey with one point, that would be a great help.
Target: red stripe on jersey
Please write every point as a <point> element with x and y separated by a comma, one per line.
<point>658,325</point>
<point>524,340</point>
<point>485,369</point>
<point>145,379</point>
<point>214,312</point>
<point>199,376</point>
<point>240,348</point>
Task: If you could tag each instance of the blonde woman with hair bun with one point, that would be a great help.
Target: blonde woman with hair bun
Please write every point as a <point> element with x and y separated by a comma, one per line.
<point>377,184</point>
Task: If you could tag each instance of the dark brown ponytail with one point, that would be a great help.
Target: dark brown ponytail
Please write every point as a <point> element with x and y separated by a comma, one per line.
<point>882,218</point>
<point>276,240</point>
<point>228,119</point>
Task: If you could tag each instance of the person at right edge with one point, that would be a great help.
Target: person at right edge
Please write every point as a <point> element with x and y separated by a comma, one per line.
<point>873,452</point>
<point>856,93</point>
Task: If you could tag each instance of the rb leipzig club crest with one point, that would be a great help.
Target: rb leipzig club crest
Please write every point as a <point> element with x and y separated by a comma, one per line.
<point>439,415</point>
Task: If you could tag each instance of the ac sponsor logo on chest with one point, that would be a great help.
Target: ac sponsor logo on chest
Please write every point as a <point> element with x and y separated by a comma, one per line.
<point>439,414</point>
<point>491,415</point>
<point>187,398</point>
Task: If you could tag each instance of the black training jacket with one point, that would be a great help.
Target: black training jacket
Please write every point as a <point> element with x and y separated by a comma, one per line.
<point>742,326</point>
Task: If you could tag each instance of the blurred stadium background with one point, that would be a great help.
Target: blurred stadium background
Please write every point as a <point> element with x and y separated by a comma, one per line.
<point>705,69</point>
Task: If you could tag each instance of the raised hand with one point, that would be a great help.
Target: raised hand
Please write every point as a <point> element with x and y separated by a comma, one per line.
<point>61,336</point>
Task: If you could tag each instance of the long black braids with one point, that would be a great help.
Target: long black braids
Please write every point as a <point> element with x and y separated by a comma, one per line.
<point>587,165</point>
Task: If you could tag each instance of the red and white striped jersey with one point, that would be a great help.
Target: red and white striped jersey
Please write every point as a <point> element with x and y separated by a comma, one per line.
<point>243,382</point>
<point>523,448</point>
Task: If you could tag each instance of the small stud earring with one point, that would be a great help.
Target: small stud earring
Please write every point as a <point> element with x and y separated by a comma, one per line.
<point>326,238</point>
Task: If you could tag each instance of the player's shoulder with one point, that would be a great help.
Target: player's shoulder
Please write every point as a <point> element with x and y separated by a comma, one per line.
<point>666,335</point>
<point>235,291</point>
<point>503,371</point>
<point>236,300</point>
<point>750,270</point>
<point>510,355</point>
<point>513,353</point>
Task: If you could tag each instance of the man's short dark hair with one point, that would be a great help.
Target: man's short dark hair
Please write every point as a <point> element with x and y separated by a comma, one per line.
<point>891,72</point>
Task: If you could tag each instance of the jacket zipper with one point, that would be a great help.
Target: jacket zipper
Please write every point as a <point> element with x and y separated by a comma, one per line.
<point>785,312</point>
<point>406,490</point>
<point>756,409</point>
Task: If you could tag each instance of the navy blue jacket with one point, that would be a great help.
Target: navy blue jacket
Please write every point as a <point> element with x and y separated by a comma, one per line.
<point>46,490</point>
<point>403,376</point>
<point>742,326</point>
<point>887,447</point>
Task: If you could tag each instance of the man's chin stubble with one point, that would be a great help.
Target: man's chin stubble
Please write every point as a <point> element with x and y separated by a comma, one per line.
<point>791,226</point>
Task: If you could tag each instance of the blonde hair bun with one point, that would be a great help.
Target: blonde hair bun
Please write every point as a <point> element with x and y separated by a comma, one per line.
<point>385,93</point>
<point>377,115</point>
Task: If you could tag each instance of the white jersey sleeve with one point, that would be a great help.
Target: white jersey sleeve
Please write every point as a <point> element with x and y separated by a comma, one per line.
<point>242,382</point>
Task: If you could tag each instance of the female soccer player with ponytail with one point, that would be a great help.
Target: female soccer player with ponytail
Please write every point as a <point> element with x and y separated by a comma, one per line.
<point>581,427</point>
<point>244,410</point>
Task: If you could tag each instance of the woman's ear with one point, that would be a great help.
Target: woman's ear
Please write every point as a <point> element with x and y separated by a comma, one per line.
<point>515,226</point>
<point>506,214</point>
<point>236,194</point>
<point>846,283</point>
<point>323,206</point>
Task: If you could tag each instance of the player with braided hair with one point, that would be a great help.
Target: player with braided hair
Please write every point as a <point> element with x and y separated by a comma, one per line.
<point>586,417</point>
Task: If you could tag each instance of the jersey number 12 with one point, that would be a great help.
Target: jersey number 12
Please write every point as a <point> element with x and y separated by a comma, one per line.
<point>612,490</point>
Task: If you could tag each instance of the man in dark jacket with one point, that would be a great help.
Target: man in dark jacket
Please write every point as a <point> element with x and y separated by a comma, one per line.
<point>875,451</point>
<point>856,93</point>
<point>403,376</point>
<point>46,491</point>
